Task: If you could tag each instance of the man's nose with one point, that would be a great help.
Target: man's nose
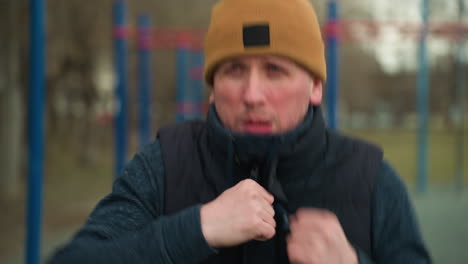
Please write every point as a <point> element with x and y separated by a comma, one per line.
<point>254,89</point>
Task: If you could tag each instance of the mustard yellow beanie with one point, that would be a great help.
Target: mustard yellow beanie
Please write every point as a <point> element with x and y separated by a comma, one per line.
<point>286,28</point>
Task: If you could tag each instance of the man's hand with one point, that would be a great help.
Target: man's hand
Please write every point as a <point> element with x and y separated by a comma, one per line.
<point>317,237</point>
<point>240,214</point>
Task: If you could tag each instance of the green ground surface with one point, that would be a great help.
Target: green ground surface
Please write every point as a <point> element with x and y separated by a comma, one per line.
<point>400,148</point>
<point>72,190</point>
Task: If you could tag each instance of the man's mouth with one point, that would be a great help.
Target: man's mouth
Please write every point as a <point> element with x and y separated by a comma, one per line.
<point>257,127</point>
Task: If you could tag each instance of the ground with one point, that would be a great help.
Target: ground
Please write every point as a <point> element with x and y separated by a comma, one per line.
<point>72,190</point>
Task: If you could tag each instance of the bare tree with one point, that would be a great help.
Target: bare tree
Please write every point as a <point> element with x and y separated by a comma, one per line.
<point>11,125</point>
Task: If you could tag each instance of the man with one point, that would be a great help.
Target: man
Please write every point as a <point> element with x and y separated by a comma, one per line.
<point>262,180</point>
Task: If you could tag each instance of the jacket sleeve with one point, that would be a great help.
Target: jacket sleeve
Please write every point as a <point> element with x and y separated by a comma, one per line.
<point>128,226</point>
<point>396,236</point>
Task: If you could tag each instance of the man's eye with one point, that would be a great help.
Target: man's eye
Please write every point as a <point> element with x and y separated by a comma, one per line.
<point>272,68</point>
<point>233,68</point>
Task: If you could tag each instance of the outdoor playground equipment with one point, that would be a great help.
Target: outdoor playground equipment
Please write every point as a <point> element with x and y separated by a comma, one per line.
<point>189,84</point>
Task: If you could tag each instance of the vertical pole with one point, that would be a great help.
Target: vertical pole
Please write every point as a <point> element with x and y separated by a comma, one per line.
<point>182,77</point>
<point>35,131</point>
<point>144,61</point>
<point>332,64</point>
<point>460,86</point>
<point>121,117</point>
<point>197,84</point>
<point>423,102</point>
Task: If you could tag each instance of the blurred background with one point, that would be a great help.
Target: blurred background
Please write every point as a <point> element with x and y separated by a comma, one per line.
<point>388,76</point>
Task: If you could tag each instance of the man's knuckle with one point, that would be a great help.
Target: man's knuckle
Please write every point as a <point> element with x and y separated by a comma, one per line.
<point>329,215</point>
<point>253,194</point>
<point>256,222</point>
<point>272,232</point>
<point>252,206</point>
<point>242,184</point>
<point>249,183</point>
<point>257,211</point>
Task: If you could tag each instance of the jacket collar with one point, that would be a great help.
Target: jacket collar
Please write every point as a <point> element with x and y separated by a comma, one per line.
<point>304,144</point>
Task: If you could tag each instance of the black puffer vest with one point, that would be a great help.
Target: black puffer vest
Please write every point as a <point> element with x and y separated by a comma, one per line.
<point>319,169</point>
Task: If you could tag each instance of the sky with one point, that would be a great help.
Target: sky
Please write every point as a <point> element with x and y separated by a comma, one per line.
<point>397,52</point>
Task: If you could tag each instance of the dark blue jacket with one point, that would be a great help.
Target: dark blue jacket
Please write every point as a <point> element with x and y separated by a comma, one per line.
<point>129,225</point>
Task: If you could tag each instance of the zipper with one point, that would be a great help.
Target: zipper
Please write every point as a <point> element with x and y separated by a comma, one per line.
<point>254,173</point>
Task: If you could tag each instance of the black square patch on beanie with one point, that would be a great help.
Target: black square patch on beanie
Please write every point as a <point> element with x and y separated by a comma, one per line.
<point>256,35</point>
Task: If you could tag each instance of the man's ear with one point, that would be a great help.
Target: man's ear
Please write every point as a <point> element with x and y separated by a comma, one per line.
<point>211,98</point>
<point>316,93</point>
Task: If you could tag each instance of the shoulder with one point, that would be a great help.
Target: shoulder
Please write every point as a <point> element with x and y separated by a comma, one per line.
<point>146,168</point>
<point>340,140</point>
<point>141,181</point>
<point>389,185</point>
<point>150,157</point>
<point>178,138</point>
<point>390,195</point>
<point>394,219</point>
<point>360,155</point>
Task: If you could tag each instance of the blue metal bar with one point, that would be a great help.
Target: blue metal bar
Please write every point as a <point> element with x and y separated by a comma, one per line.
<point>332,51</point>
<point>121,119</point>
<point>423,102</point>
<point>144,60</point>
<point>196,93</point>
<point>35,131</point>
<point>182,80</point>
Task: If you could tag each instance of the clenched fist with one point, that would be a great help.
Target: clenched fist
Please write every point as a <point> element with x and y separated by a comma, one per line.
<point>240,214</point>
<point>316,238</point>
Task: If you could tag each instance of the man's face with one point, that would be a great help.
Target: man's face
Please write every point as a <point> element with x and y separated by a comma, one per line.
<point>263,94</point>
